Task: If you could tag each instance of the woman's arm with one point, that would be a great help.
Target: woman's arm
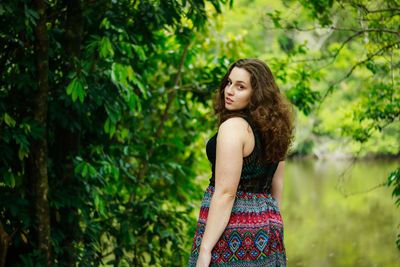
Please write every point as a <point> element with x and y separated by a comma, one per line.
<point>277,183</point>
<point>228,167</point>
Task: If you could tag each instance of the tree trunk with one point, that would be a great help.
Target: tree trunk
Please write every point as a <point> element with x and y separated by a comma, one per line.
<point>4,243</point>
<point>74,29</point>
<point>39,147</point>
<point>68,141</point>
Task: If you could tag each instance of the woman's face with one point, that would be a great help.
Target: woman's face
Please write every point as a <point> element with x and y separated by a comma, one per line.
<point>238,90</point>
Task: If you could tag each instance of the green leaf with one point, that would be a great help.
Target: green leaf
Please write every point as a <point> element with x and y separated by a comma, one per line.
<point>96,201</point>
<point>106,49</point>
<point>124,133</point>
<point>112,129</point>
<point>26,127</point>
<point>126,150</point>
<point>71,75</point>
<point>105,24</point>
<point>31,15</point>
<point>134,101</point>
<point>115,173</point>
<point>107,126</point>
<point>140,86</point>
<point>71,86</point>
<point>85,170</point>
<point>131,237</point>
<point>92,171</point>
<point>75,89</point>
<point>9,179</point>
<point>81,91</point>
<point>140,52</point>
<point>22,153</point>
<point>80,167</point>
<point>130,73</point>
<point>9,120</point>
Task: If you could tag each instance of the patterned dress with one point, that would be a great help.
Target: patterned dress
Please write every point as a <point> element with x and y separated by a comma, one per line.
<point>254,233</point>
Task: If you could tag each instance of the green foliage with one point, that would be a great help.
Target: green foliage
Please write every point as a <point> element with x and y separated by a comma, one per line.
<point>320,10</point>
<point>359,49</point>
<point>123,109</point>
<point>75,89</point>
<point>394,181</point>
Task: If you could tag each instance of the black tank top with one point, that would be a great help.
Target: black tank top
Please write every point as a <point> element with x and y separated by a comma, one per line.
<point>255,177</point>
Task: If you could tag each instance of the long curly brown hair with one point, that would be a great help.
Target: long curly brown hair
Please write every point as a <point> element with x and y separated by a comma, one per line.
<point>268,110</point>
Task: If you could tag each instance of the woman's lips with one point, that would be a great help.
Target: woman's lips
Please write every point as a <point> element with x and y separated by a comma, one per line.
<point>228,100</point>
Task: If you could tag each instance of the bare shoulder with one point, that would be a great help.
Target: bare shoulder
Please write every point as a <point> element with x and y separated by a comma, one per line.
<point>235,123</point>
<point>281,166</point>
<point>233,127</point>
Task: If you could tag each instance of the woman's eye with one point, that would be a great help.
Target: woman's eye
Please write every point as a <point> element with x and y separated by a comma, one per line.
<point>229,82</point>
<point>241,87</point>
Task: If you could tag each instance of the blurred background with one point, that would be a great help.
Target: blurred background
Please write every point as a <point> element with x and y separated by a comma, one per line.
<point>106,107</point>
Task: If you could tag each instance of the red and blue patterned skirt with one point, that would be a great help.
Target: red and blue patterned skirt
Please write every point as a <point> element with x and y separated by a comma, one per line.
<point>253,236</point>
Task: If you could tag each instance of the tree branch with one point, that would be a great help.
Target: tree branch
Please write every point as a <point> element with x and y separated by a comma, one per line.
<point>171,97</point>
<point>366,30</point>
<point>333,57</point>
<point>391,31</point>
<point>345,42</point>
<point>366,10</point>
<point>354,67</point>
<point>385,10</point>
<point>164,116</point>
<point>364,191</point>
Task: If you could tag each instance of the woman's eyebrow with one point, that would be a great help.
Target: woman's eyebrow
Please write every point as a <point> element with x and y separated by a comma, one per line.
<point>237,81</point>
<point>241,82</point>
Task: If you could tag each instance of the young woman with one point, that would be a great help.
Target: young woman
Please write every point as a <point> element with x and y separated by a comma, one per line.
<point>240,222</point>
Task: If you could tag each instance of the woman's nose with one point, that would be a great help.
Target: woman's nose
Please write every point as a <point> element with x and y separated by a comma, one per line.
<point>229,90</point>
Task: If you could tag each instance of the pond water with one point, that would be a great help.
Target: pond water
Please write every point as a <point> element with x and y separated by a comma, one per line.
<point>333,217</point>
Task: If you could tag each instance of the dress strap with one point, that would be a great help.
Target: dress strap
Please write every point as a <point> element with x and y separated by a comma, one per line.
<point>252,157</point>
<point>253,129</point>
<point>249,122</point>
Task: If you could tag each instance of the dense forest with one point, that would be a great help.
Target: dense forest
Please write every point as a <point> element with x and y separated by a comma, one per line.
<point>104,107</point>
